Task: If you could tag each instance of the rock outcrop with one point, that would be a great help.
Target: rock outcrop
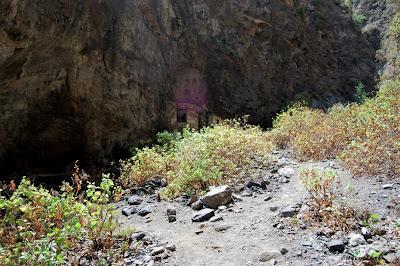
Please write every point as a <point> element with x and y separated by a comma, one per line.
<point>89,79</point>
<point>378,16</point>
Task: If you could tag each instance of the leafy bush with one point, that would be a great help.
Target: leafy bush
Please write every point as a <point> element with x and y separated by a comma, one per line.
<point>39,227</point>
<point>375,147</point>
<point>313,134</point>
<point>147,162</point>
<point>359,20</point>
<point>191,161</point>
<point>364,136</point>
<point>360,95</point>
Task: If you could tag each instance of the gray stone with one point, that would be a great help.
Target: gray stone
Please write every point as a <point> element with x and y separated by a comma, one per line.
<point>366,232</point>
<point>145,211</point>
<point>336,246</point>
<point>164,182</point>
<point>198,205</point>
<point>268,198</point>
<point>273,208</point>
<point>269,255</point>
<point>237,197</point>
<point>284,251</point>
<point>131,262</point>
<point>222,227</point>
<point>251,184</point>
<point>222,208</point>
<point>134,200</point>
<point>171,218</point>
<point>288,212</point>
<point>246,193</point>
<point>171,211</point>
<point>286,172</point>
<point>264,184</point>
<point>280,227</point>
<point>216,218</point>
<point>387,186</point>
<point>356,239</point>
<point>202,215</point>
<point>218,196</point>
<point>127,211</point>
<point>192,200</point>
<point>157,251</point>
<point>392,257</point>
<point>171,248</point>
<point>138,235</point>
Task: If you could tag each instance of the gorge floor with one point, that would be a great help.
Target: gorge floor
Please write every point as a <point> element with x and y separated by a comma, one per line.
<point>252,232</point>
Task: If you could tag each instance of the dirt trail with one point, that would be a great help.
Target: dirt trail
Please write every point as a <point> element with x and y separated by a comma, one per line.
<point>251,228</point>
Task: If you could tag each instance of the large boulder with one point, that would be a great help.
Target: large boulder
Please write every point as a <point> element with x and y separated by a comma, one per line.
<point>218,196</point>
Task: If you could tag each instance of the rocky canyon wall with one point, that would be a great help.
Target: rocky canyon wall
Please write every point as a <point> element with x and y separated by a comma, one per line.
<point>89,79</point>
<point>378,16</point>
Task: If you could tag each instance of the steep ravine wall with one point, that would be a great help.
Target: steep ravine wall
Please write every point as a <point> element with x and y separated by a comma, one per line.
<point>89,79</point>
<point>376,28</point>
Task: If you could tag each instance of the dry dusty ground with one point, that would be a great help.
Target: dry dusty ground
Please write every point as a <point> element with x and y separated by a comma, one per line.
<point>249,231</point>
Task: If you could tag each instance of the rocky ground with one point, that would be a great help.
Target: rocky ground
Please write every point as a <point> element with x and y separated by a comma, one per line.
<point>264,224</point>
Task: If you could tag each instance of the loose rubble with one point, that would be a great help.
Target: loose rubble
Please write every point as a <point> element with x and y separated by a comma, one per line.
<point>268,213</point>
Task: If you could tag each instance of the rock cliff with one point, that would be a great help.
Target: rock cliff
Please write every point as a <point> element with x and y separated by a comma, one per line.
<point>89,79</point>
<point>377,16</point>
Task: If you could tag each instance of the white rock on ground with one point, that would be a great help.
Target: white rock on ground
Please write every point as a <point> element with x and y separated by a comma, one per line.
<point>286,171</point>
<point>356,239</point>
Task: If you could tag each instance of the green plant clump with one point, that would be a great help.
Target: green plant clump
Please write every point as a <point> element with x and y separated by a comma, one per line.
<point>39,227</point>
<point>360,95</point>
<point>191,161</point>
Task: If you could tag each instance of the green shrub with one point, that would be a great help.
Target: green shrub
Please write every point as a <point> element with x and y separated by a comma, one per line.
<point>192,161</point>
<point>39,227</point>
<point>147,163</point>
<point>359,20</point>
<point>360,94</point>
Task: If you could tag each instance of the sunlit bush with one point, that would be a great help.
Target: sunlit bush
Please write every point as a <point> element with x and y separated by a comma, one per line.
<point>39,227</point>
<point>192,161</point>
<point>364,136</point>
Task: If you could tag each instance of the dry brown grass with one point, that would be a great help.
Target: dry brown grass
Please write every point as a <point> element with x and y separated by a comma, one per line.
<point>365,137</point>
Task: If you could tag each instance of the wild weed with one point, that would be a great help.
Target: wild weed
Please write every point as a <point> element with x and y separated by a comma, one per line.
<point>323,188</point>
<point>39,227</point>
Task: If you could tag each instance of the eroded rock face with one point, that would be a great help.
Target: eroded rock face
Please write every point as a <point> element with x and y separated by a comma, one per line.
<point>378,16</point>
<point>88,79</point>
